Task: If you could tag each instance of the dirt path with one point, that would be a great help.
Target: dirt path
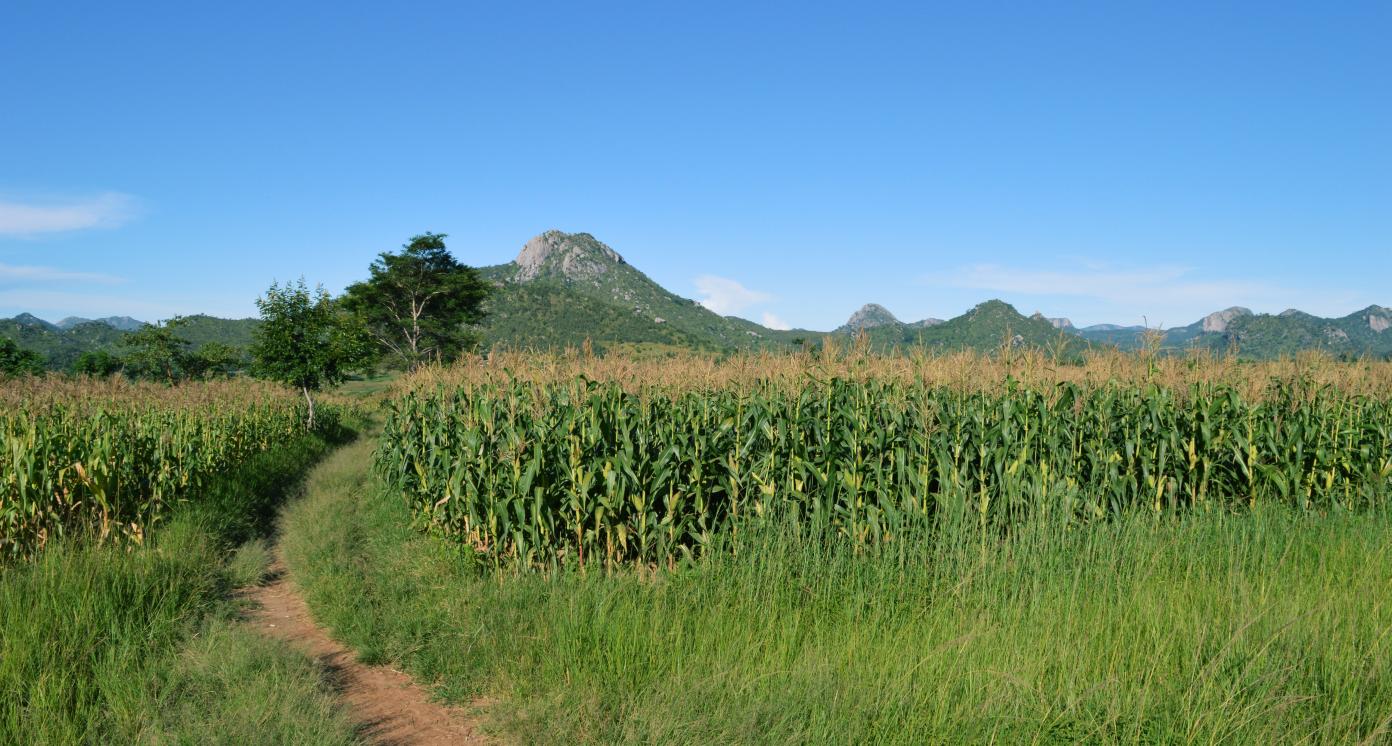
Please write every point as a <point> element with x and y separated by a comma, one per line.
<point>387,706</point>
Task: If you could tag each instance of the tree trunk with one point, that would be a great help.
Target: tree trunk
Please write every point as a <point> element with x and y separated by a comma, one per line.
<point>309,400</point>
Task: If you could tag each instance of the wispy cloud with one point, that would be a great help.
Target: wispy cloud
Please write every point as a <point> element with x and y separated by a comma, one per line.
<point>1167,283</point>
<point>727,297</point>
<point>1170,293</point>
<point>33,217</point>
<point>17,273</point>
<point>774,322</point>
<point>56,304</point>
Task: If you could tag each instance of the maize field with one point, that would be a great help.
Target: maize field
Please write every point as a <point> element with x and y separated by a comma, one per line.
<point>539,468</point>
<point>110,458</point>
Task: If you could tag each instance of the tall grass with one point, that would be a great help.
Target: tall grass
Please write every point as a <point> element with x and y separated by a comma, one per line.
<point>1269,626</point>
<point>1135,549</point>
<point>121,643</point>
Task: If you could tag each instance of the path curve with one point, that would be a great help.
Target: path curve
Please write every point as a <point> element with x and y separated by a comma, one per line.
<point>385,704</point>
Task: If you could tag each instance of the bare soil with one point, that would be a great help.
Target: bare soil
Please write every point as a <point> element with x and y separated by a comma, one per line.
<point>387,706</point>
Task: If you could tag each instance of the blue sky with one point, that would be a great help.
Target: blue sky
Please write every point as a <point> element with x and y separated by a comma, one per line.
<point>785,161</point>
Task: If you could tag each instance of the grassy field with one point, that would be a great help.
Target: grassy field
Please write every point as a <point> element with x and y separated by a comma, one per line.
<point>800,549</point>
<point>1227,620</point>
<point>133,636</point>
<point>1272,626</point>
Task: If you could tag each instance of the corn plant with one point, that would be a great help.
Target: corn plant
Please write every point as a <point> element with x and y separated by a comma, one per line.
<point>111,460</point>
<point>554,471</point>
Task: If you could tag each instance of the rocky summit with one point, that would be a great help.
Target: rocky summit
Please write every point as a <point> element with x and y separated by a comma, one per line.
<point>869,316</point>
<point>1218,321</point>
<point>1057,322</point>
<point>571,256</point>
<point>1379,318</point>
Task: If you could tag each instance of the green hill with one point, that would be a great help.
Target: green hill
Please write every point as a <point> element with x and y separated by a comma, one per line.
<point>564,288</point>
<point>123,323</point>
<point>60,347</point>
<point>1263,336</point>
<point>200,330</point>
<point>1363,333</point>
<point>986,328</point>
<point>990,326</point>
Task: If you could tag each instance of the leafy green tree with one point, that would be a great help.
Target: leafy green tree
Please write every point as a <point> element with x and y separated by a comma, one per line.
<point>215,359</point>
<point>97,363</point>
<point>16,362</point>
<point>307,341</point>
<point>419,304</point>
<point>155,352</point>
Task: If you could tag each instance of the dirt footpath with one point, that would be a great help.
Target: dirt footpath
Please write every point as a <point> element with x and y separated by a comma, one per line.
<point>385,704</point>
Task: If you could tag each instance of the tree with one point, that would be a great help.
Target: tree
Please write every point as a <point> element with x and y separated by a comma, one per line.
<point>215,359</point>
<point>418,304</point>
<point>96,363</point>
<point>155,352</point>
<point>15,362</point>
<point>307,341</point>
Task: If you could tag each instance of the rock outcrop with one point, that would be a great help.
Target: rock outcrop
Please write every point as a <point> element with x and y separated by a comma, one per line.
<point>869,316</point>
<point>1218,321</point>
<point>1379,318</point>
<point>571,256</point>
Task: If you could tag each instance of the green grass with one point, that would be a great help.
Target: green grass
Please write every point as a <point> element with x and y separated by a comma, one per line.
<point>106,644</point>
<point>1262,627</point>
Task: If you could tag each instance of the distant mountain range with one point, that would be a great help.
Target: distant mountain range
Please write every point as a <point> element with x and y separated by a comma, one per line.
<point>564,289</point>
<point>121,323</point>
<point>1365,332</point>
<point>62,343</point>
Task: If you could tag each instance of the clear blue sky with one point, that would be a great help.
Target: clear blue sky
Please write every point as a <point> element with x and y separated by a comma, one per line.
<point>1107,161</point>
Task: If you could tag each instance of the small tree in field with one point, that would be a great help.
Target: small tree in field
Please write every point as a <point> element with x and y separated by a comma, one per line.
<point>419,303</point>
<point>16,362</point>
<point>155,352</point>
<point>306,341</point>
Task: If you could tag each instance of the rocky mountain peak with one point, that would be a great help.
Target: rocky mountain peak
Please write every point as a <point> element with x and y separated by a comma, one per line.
<point>570,256</point>
<point>1057,322</point>
<point>1218,320</point>
<point>870,316</point>
<point>29,319</point>
<point>1379,318</point>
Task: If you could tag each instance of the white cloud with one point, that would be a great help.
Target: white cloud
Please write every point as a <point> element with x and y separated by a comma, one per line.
<point>773,322</point>
<point>16,273</point>
<point>727,297</point>
<point>106,210</point>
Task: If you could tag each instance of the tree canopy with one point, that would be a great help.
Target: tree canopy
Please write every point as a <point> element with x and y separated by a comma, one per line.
<point>17,362</point>
<point>306,340</point>
<point>156,352</point>
<point>418,304</point>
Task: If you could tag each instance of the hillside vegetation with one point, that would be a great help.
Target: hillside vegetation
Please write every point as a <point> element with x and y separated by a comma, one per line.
<point>61,346</point>
<point>565,288</point>
<point>1265,336</point>
<point>570,289</point>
